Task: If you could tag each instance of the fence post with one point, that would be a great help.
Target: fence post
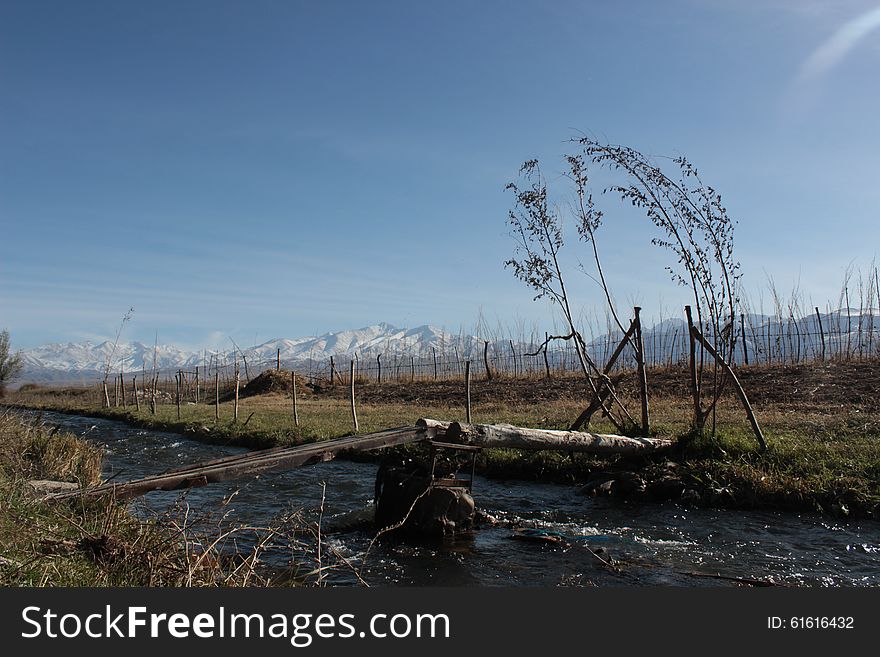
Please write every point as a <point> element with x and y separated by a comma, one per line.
<point>177,387</point>
<point>643,377</point>
<point>467,387</point>
<point>216,394</point>
<point>821,333</point>
<point>379,370</point>
<point>278,359</point>
<point>692,361</point>
<point>134,385</point>
<point>742,323</point>
<point>486,360</point>
<point>198,386</point>
<point>354,417</point>
<point>293,395</point>
<point>235,402</point>
<point>434,351</point>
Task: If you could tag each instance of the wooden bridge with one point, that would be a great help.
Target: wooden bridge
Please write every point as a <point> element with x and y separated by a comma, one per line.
<point>285,458</point>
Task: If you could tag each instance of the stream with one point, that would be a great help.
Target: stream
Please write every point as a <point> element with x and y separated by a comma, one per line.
<point>649,544</point>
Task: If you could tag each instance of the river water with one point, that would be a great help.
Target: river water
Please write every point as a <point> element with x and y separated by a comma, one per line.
<point>650,544</point>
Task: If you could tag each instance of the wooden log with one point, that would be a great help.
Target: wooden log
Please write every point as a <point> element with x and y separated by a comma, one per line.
<point>508,436</point>
<point>251,464</point>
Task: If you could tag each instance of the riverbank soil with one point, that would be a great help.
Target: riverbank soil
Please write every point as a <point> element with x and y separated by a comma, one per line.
<point>821,420</point>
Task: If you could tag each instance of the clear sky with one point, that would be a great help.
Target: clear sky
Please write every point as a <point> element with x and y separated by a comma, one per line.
<point>275,169</point>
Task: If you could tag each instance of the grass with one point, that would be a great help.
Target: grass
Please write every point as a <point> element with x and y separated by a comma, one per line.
<point>102,543</point>
<point>822,423</point>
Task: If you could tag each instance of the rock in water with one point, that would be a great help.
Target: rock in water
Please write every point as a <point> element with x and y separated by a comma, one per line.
<point>407,500</point>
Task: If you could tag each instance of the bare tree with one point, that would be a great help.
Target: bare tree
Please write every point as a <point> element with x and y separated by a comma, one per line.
<point>10,363</point>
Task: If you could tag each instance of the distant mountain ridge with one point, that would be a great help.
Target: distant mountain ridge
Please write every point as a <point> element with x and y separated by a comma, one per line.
<point>768,339</point>
<point>86,361</point>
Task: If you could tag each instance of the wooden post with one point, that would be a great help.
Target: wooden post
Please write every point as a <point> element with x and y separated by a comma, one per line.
<point>467,387</point>
<point>332,370</point>
<point>821,333</point>
<point>216,394</point>
<point>434,351</point>
<point>736,385</point>
<point>546,361</point>
<point>379,370</point>
<point>134,386</point>
<point>293,394</point>
<point>177,382</point>
<point>692,362</point>
<point>643,377</point>
<point>116,391</point>
<point>486,360</point>
<point>153,395</point>
<point>106,393</point>
<point>354,417</point>
<point>122,388</point>
<point>198,390</point>
<point>278,359</point>
<point>412,368</point>
<point>235,403</point>
<point>742,324</point>
<point>513,354</point>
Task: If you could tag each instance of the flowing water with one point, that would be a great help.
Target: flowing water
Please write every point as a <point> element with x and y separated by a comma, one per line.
<point>651,544</point>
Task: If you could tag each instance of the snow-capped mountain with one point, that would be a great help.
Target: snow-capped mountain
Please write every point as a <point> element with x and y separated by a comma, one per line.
<point>767,339</point>
<point>86,361</point>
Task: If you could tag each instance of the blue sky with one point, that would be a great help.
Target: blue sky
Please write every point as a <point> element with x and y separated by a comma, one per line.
<point>265,169</point>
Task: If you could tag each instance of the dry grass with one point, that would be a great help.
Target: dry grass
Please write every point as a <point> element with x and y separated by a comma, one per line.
<point>102,543</point>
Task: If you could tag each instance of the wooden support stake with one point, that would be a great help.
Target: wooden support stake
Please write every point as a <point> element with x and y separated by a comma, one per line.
<point>546,361</point>
<point>603,391</point>
<point>486,360</point>
<point>736,385</point>
<point>134,386</point>
<point>122,388</point>
<point>643,377</point>
<point>106,394</point>
<point>293,395</point>
<point>412,368</point>
<point>198,389</point>
<point>742,324</point>
<point>821,333</point>
<point>467,387</point>
<point>235,403</point>
<point>354,417</point>
<point>379,368</point>
<point>332,370</point>
<point>278,359</point>
<point>216,395</point>
<point>177,382</point>
<point>692,365</point>
<point>513,353</point>
<point>434,351</point>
